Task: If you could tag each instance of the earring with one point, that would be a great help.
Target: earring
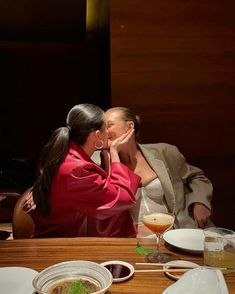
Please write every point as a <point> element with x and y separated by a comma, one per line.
<point>101,146</point>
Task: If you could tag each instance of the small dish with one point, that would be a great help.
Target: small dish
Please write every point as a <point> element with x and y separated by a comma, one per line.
<point>181,264</point>
<point>120,270</point>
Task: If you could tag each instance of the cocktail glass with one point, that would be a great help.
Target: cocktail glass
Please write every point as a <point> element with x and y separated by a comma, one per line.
<point>158,223</point>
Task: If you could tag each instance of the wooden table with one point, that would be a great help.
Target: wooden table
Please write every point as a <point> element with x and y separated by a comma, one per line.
<point>40,253</point>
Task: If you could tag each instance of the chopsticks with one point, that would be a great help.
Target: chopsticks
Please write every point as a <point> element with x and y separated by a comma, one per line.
<point>168,268</point>
<point>182,270</point>
<point>173,267</point>
<point>168,265</point>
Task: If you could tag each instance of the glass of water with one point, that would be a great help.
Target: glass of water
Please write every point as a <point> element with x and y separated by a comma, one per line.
<point>219,248</point>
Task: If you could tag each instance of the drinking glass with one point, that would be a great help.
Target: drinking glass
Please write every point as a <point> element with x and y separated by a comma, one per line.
<point>158,223</point>
<point>219,248</point>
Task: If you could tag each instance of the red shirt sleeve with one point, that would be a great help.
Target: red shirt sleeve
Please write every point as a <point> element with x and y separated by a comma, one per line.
<point>98,194</point>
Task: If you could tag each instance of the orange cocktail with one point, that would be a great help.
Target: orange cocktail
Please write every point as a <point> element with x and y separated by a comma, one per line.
<point>158,222</point>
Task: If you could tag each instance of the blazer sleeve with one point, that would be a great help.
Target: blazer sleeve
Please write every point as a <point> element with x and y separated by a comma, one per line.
<point>198,187</point>
<point>100,195</point>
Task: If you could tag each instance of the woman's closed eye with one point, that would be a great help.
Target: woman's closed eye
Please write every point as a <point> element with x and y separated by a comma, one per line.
<point>109,125</point>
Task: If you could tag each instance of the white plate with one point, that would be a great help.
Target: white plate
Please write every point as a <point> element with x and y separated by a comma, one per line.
<point>190,240</point>
<point>180,263</point>
<point>16,280</point>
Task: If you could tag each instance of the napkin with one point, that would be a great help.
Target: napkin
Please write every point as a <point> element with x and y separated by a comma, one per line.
<point>199,281</point>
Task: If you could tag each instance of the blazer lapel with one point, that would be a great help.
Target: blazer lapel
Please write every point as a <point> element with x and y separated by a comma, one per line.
<point>159,167</point>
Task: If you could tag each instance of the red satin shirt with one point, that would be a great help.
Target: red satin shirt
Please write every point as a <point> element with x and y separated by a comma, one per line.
<point>86,201</point>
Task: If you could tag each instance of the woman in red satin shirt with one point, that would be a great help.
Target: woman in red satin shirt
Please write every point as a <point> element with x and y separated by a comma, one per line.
<point>75,197</point>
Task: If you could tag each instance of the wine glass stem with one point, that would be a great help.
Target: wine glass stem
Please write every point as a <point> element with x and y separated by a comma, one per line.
<point>158,243</point>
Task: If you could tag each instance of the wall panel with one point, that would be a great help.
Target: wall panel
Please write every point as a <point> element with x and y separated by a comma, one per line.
<point>173,62</point>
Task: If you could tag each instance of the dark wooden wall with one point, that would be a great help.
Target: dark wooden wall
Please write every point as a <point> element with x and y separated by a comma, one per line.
<point>173,62</point>
<point>50,60</point>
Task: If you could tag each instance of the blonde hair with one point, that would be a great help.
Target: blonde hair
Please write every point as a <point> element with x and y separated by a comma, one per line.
<point>128,115</point>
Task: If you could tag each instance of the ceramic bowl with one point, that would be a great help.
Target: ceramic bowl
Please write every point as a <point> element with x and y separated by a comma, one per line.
<point>75,270</point>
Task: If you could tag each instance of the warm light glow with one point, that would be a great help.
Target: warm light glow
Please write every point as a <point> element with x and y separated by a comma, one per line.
<point>96,14</point>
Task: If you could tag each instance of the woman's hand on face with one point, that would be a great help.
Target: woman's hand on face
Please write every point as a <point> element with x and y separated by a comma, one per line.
<point>121,142</point>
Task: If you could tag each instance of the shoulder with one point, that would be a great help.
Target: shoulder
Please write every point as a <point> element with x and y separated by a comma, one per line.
<point>79,167</point>
<point>163,151</point>
<point>160,147</point>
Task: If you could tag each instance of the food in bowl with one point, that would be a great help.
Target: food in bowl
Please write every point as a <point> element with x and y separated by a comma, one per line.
<point>73,277</point>
<point>74,286</point>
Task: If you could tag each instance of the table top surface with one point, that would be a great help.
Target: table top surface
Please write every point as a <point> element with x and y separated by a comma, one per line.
<point>41,253</point>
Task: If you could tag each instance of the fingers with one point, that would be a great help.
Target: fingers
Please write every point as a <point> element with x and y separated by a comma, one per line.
<point>201,214</point>
<point>29,208</point>
<point>201,222</point>
<point>122,141</point>
<point>28,196</point>
<point>129,134</point>
<point>29,200</point>
<point>125,137</point>
<point>196,223</point>
<point>29,204</point>
<point>204,222</point>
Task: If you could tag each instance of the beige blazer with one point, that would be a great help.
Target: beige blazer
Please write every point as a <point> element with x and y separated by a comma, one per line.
<point>183,184</point>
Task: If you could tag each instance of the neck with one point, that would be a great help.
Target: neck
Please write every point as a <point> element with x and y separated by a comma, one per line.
<point>128,156</point>
<point>88,147</point>
<point>89,151</point>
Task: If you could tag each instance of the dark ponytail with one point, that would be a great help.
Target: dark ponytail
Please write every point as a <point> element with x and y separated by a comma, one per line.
<point>52,155</point>
<point>81,120</point>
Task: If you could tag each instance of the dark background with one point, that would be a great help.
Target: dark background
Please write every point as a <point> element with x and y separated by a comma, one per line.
<point>49,61</point>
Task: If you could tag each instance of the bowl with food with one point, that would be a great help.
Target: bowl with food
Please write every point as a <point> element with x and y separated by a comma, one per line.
<point>73,277</point>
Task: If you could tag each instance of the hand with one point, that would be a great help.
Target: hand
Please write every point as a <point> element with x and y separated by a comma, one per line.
<point>105,159</point>
<point>29,203</point>
<point>121,142</point>
<point>201,214</point>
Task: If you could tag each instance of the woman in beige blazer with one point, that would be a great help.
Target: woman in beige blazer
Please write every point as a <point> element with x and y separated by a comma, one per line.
<point>167,180</point>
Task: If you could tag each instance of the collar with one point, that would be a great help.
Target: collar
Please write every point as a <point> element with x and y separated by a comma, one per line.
<point>77,151</point>
<point>163,174</point>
